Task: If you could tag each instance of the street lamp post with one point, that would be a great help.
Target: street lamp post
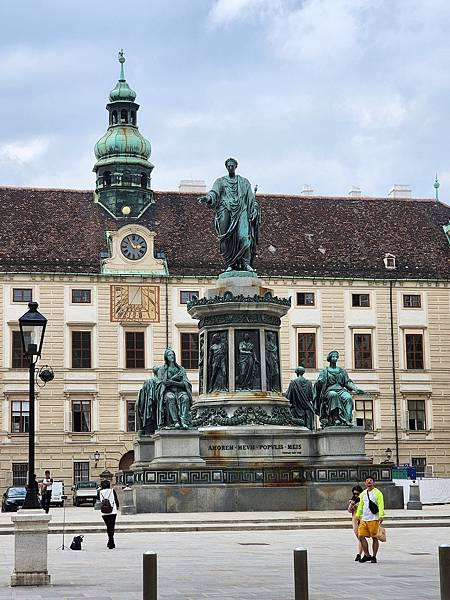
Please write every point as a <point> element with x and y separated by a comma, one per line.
<point>32,329</point>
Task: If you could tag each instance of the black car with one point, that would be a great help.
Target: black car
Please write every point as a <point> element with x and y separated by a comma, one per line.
<point>13,498</point>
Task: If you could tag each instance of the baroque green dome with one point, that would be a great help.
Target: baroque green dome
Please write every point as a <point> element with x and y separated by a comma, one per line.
<point>122,141</point>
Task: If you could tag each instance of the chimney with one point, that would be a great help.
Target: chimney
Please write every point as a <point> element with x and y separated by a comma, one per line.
<point>400,191</point>
<point>354,192</point>
<point>307,190</point>
<point>193,186</point>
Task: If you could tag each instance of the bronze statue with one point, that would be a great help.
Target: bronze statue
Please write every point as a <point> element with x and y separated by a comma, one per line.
<point>173,394</point>
<point>217,364</point>
<point>146,405</point>
<point>272,363</point>
<point>237,218</point>
<point>201,362</point>
<point>334,402</point>
<point>247,364</point>
<point>301,397</point>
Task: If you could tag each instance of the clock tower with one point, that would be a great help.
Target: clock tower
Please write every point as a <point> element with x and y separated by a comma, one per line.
<point>123,168</point>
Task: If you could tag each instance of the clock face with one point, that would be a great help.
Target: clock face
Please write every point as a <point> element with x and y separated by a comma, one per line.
<point>135,303</point>
<point>133,246</point>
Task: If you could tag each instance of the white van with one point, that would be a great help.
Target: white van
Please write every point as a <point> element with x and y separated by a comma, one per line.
<point>57,493</point>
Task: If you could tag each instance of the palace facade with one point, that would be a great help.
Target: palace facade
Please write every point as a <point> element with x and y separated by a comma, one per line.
<point>114,269</point>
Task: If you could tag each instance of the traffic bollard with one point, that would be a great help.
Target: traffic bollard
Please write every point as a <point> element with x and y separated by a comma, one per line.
<point>444,570</point>
<point>301,574</point>
<point>150,576</point>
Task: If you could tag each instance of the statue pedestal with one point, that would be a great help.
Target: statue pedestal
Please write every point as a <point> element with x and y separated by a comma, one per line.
<point>179,447</point>
<point>341,444</point>
<point>30,548</point>
<point>144,450</point>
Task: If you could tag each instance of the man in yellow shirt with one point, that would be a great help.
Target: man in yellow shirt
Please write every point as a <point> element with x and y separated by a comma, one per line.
<point>370,515</point>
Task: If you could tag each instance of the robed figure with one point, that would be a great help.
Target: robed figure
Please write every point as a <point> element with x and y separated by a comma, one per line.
<point>248,364</point>
<point>333,396</point>
<point>272,363</point>
<point>173,394</point>
<point>301,398</point>
<point>237,218</point>
<point>146,405</point>
<point>217,364</point>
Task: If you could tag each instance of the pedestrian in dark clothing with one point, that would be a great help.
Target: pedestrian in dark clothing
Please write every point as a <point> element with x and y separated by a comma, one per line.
<point>46,491</point>
<point>109,503</point>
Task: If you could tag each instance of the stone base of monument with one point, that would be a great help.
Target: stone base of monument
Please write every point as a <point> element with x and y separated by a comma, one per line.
<point>30,548</point>
<point>264,468</point>
<point>180,447</point>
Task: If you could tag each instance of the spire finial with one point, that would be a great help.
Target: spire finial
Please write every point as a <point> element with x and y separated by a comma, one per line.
<point>121,60</point>
<point>436,186</point>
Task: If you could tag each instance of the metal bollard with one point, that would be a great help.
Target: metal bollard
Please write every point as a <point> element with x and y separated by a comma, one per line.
<point>301,574</point>
<point>150,576</point>
<point>444,570</point>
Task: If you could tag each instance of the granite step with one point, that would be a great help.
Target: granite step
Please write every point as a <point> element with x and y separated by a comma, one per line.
<point>230,525</point>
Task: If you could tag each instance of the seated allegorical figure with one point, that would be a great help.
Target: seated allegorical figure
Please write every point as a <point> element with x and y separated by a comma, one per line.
<point>165,400</point>
<point>332,392</point>
<point>173,394</point>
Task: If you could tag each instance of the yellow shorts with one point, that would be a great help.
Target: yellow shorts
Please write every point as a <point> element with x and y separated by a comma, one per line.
<point>368,528</point>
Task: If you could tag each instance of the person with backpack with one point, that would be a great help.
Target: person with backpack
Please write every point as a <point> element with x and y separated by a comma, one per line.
<point>370,515</point>
<point>109,503</point>
<point>352,506</point>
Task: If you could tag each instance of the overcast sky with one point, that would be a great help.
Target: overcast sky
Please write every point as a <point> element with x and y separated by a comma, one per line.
<point>331,93</point>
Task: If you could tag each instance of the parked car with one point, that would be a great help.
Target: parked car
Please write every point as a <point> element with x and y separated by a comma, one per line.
<point>85,491</point>
<point>13,498</point>
<point>57,494</point>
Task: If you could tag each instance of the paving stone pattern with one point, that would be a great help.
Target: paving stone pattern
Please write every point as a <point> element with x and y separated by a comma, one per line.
<point>237,566</point>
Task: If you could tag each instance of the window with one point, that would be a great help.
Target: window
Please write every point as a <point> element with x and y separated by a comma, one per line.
<point>390,261</point>
<point>306,350</point>
<point>134,350</point>
<point>144,180</point>
<point>305,299</point>
<point>414,350</point>
<point>131,415</point>
<point>416,415</point>
<point>19,473</point>
<point>80,472</point>
<point>188,295</point>
<point>362,346</point>
<point>123,116</point>
<point>20,414</point>
<point>189,350</point>
<point>360,300</point>
<point>19,360</point>
<point>114,117</point>
<point>126,177</point>
<point>81,416</point>
<point>81,296</point>
<point>364,414</point>
<point>22,294</point>
<point>420,464</point>
<point>107,178</point>
<point>412,301</point>
<point>133,117</point>
<point>81,349</point>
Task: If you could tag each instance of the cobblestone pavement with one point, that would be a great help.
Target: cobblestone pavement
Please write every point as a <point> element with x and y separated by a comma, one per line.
<point>241,565</point>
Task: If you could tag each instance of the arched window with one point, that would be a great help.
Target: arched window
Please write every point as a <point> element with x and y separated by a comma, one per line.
<point>114,117</point>
<point>126,177</point>
<point>124,116</point>
<point>133,117</point>
<point>107,178</point>
<point>144,180</point>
